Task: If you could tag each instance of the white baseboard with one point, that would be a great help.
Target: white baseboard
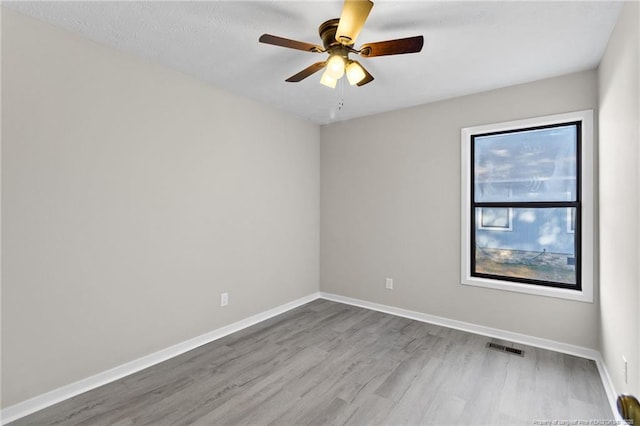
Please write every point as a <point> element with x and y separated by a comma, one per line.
<point>610,389</point>
<point>496,333</point>
<point>469,327</point>
<point>39,402</point>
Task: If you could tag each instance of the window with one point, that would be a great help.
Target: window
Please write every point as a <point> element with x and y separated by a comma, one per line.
<point>495,218</point>
<point>571,221</point>
<point>533,179</point>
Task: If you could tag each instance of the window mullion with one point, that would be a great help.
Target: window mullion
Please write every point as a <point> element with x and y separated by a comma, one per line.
<point>527,205</point>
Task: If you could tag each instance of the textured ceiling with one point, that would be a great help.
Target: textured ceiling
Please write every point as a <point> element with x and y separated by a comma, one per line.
<point>469,46</point>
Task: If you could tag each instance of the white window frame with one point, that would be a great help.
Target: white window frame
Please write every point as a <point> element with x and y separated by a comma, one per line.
<point>587,212</point>
<point>507,228</point>
<point>570,222</point>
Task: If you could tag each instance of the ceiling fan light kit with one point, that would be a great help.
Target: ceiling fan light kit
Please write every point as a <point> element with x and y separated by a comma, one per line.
<point>338,38</point>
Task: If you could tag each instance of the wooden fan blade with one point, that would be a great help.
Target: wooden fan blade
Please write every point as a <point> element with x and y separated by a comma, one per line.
<point>392,47</point>
<point>307,72</point>
<point>368,78</point>
<point>292,44</point>
<point>354,15</point>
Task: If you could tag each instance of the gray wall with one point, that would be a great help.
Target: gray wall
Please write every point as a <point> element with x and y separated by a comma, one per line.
<point>132,196</point>
<point>619,118</point>
<point>390,207</point>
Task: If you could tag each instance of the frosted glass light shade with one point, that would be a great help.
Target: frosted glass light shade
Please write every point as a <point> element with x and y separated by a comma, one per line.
<point>335,67</point>
<point>355,73</point>
<point>327,80</point>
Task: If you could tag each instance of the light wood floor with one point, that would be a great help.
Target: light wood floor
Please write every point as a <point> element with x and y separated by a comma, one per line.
<point>329,363</point>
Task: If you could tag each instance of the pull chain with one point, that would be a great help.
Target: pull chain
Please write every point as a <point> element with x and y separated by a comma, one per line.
<point>340,94</point>
<point>339,91</point>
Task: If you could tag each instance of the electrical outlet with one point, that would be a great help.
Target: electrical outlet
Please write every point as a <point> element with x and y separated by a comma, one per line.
<point>626,370</point>
<point>224,299</point>
<point>389,283</point>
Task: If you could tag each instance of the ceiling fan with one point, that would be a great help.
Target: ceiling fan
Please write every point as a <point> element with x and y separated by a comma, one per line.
<point>338,38</point>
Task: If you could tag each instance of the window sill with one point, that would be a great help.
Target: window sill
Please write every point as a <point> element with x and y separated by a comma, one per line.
<point>581,296</point>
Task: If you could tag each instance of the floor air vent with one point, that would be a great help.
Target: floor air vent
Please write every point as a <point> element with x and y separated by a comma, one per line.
<point>503,348</point>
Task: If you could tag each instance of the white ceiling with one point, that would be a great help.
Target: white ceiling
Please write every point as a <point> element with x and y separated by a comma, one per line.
<point>469,46</point>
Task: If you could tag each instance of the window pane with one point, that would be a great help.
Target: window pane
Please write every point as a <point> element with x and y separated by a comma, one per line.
<point>539,246</point>
<point>531,165</point>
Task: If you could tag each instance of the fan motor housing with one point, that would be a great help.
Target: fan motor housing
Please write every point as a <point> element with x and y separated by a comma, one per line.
<point>327,32</point>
